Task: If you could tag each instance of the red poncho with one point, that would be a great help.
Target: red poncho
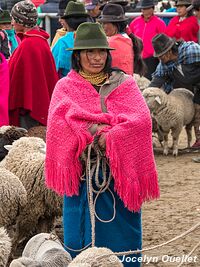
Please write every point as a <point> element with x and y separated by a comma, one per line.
<point>75,106</point>
<point>32,77</point>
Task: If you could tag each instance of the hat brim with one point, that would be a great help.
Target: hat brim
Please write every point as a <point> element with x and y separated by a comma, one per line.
<point>112,20</point>
<point>145,7</point>
<point>166,50</point>
<point>89,47</point>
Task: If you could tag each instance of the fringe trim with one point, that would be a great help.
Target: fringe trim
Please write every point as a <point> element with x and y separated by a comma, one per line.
<point>65,179</point>
<point>132,190</point>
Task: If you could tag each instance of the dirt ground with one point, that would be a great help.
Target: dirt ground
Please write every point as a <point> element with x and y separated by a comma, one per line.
<point>177,210</point>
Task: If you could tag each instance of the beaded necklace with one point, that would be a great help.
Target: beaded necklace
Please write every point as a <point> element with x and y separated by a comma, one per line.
<point>94,79</point>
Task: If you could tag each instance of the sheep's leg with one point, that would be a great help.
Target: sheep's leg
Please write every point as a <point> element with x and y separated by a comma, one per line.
<point>188,129</point>
<point>175,136</point>
<point>165,144</point>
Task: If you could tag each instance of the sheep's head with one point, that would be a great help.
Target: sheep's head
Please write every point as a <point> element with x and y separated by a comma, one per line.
<point>155,97</point>
<point>28,145</point>
<point>8,134</point>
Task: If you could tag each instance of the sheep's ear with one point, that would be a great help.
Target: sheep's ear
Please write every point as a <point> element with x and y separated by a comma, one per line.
<point>8,147</point>
<point>158,100</point>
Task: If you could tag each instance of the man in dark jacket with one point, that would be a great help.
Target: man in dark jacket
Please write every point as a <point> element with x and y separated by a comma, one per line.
<point>179,67</point>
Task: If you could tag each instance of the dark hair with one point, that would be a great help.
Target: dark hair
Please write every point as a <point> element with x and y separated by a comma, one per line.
<point>73,22</point>
<point>190,13</point>
<point>76,61</point>
<point>139,64</point>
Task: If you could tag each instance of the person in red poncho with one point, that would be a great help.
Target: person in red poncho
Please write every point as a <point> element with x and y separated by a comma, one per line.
<point>32,70</point>
<point>185,25</point>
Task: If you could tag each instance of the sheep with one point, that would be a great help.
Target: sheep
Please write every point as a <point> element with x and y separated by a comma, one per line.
<point>13,198</point>
<point>43,250</point>
<point>5,247</point>
<point>10,133</point>
<point>141,81</point>
<point>92,257</point>
<point>171,112</point>
<point>43,205</point>
<point>38,131</point>
<point>7,135</point>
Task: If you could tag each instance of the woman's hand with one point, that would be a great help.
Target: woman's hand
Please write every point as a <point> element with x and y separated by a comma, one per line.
<point>102,141</point>
<point>100,127</point>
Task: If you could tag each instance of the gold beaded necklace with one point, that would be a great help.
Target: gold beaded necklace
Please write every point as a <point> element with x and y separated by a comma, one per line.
<point>95,79</point>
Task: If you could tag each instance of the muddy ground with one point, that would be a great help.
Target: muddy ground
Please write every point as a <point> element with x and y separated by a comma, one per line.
<point>177,210</point>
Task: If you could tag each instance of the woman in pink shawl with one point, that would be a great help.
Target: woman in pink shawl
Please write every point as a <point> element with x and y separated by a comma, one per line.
<point>100,110</point>
<point>4,91</point>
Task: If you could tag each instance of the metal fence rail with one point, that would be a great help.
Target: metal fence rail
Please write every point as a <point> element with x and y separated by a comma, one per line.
<point>48,16</point>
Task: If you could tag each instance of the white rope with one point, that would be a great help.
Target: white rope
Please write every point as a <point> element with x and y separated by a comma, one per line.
<point>90,197</point>
<point>191,252</point>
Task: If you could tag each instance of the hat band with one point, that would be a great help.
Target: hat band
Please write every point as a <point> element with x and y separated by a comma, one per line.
<point>95,43</point>
<point>112,17</point>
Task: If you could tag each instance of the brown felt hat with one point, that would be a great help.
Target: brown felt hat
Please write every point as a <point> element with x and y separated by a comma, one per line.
<point>112,13</point>
<point>183,3</point>
<point>162,44</point>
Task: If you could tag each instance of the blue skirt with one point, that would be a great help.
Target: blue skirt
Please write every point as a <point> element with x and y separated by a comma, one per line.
<point>122,234</point>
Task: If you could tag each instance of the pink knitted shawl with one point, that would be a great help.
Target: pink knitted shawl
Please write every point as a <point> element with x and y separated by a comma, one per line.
<point>75,106</point>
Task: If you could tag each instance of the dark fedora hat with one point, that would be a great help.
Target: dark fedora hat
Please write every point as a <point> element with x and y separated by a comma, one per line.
<point>90,35</point>
<point>122,3</point>
<point>112,13</point>
<point>62,6</point>
<point>183,3</point>
<point>162,44</point>
<point>4,16</point>
<point>75,9</point>
<point>146,4</point>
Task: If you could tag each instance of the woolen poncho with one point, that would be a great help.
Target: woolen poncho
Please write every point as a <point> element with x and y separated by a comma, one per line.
<point>75,106</point>
<point>32,77</point>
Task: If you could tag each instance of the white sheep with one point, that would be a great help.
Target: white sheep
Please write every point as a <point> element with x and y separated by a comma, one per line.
<point>43,250</point>
<point>141,81</point>
<point>5,247</point>
<point>92,257</point>
<point>13,198</point>
<point>26,161</point>
<point>171,112</point>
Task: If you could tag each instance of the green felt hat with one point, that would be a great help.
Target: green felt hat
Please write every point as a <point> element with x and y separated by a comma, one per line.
<point>5,16</point>
<point>75,9</point>
<point>90,35</point>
